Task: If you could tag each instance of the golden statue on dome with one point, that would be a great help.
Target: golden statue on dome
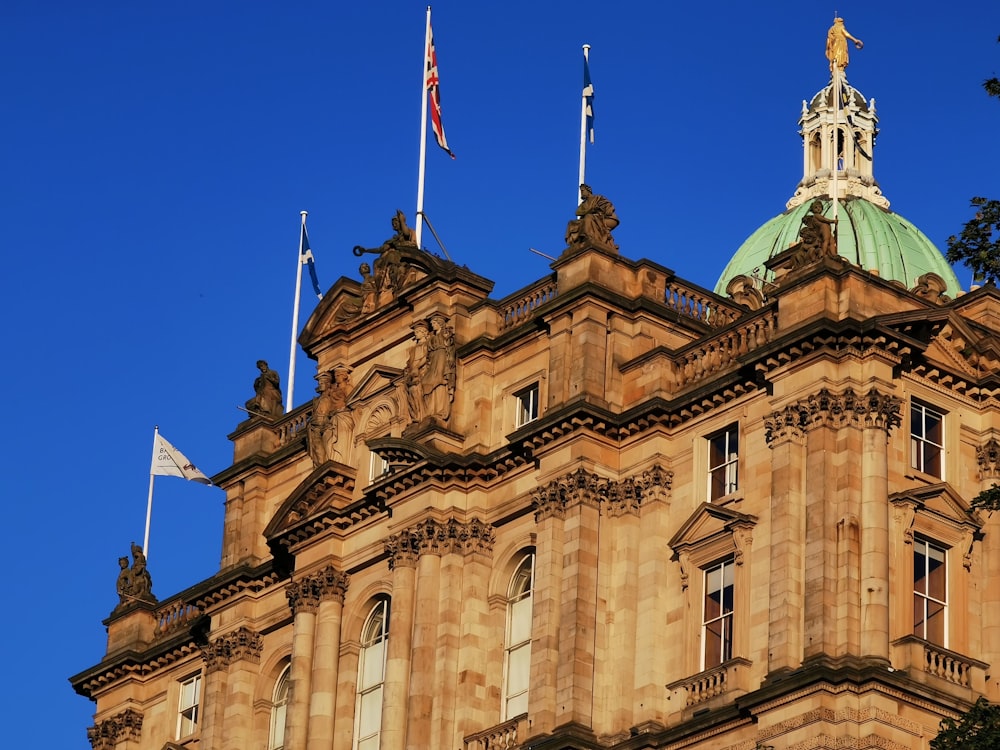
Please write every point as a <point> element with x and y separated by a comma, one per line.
<point>836,44</point>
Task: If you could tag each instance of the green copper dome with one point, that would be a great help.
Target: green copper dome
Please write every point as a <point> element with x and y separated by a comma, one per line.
<point>868,236</point>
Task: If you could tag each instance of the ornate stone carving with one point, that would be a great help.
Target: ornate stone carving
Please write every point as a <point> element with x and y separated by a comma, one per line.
<point>436,538</point>
<point>932,288</point>
<point>306,593</point>
<point>684,562</point>
<point>816,236</point>
<point>825,408</point>
<point>624,497</point>
<point>595,219</point>
<point>430,374</point>
<point>744,291</point>
<point>988,458</point>
<point>391,272</point>
<point>576,487</point>
<point>656,484</point>
<point>240,644</point>
<point>903,514</point>
<point>742,539</point>
<point>134,585</point>
<point>267,393</point>
<point>331,423</point>
<point>122,727</point>
<point>968,538</point>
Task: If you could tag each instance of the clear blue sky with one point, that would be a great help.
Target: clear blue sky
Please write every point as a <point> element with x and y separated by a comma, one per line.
<point>156,156</point>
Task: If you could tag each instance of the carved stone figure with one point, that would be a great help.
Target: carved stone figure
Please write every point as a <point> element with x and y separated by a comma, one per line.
<point>416,368</point>
<point>816,233</point>
<point>134,584</point>
<point>142,583</point>
<point>267,387</point>
<point>596,220</point>
<point>124,583</point>
<point>322,425</point>
<point>369,289</point>
<point>836,44</point>
<point>338,392</point>
<point>391,273</point>
<point>439,378</point>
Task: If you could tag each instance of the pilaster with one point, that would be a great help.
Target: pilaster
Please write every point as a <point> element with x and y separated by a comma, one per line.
<point>404,552</point>
<point>331,585</point>
<point>303,599</point>
<point>234,655</point>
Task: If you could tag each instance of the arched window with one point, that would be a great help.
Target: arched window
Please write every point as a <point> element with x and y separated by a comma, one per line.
<point>371,677</point>
<point>279,706</point>
<point>517,643</point>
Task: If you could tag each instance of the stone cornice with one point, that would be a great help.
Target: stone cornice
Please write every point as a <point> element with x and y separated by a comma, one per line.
<point>122,727</point>
<point>432,537</point>
<point>132,663</point>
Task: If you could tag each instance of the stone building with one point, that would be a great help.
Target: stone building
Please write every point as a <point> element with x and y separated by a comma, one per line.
<point>612,510</point>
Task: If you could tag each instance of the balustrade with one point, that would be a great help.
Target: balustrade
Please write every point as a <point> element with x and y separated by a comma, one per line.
<point>500,737</point>
<point>521,305</point>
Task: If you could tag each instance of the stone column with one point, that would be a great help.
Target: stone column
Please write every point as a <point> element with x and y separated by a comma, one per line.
<point>423,687</point>
<point>119,732</point>
<point>303,598</point>
<point>786,439</point>
<point>546,603</point>
<point>880,413</point>
<point>404,551</point>
<point>619,557</point>
<point>239,653</point>
<point>654,597</point>
<point>331,586</point>
<point>820,510</point>
<point>478,709</point>
<point>578,618</point>
<point>212,702</point>
<point>988,459</point>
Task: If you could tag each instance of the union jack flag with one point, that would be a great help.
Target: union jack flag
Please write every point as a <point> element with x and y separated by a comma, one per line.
<point>433,84</point>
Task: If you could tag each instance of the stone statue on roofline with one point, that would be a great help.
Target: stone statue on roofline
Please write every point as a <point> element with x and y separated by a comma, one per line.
<point>595,219</point>
<point>134,584</point>
<point>390,272</point>
<point>817,235</point>
<point>267,393</point>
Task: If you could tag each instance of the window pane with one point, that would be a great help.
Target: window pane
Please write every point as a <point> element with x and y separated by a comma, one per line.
<point>372,669</point>
<point>713,644</point>
<point>518,669</point>
<point>935,622</point>
<point>369,744</point>
<point>918,616</point>
<point>370,712</point>
<point>517,705</point>
<point>932,460</point>
<point>936,584</point>
<point>520,621</point>
<point>932,427</point>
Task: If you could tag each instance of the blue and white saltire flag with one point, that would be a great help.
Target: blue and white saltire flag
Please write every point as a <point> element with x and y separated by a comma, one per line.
<point>306,258</point>
<point>588,95</point>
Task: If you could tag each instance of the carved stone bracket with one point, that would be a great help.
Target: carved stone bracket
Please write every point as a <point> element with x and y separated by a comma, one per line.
<point>742,539</point>
<point>122,727</point>
<point>988,457</point>
<point>872,409</point>
<point>241,644</point>
<point>904,512</point>
<point>436,538</point>
<point>306,593</point>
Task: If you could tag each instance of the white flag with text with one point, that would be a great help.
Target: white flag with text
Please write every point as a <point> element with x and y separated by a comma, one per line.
<point>169,461</point>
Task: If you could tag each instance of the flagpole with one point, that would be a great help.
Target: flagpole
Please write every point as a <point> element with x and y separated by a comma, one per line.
<point>836,134</point>
<point>423,132</point>
<point>583,132</point>
<point>149,499</point>
<point>295,317</point>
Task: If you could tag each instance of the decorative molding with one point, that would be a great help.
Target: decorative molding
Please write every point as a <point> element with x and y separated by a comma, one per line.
<point>873,409</point>
<point>241,644</point>
<point>988,458</point>
<point>579,487</point>
<point>122,727</point>
<point>439,538</point>
<point>904,513</point>
<point>306,593</point>
<point>624,498</point>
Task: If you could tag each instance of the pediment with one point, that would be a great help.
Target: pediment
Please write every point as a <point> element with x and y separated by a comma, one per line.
<point>981,306</point>
<point>378,379</point>
<point>330,487</point>
<point>709,522</point>
<point>948,337</point>
<point>941,501</point>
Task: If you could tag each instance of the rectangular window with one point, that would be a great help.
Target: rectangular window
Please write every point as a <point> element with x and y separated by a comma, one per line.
<point>187,707</point>
<point>723,460</point>
<point>926,439</point>
<point>930,592</point>
<point>717,618</point>
<point>527,405</point>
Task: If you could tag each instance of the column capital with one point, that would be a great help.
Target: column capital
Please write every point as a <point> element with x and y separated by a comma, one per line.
<point>579,487</point>
<point>124,726</point>
<point>434,537</point>
<point>240,644</point>
<point>306,593</point>
<point>872,409</point>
